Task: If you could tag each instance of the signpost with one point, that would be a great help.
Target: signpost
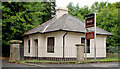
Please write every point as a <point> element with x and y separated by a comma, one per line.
<point>90,25</point>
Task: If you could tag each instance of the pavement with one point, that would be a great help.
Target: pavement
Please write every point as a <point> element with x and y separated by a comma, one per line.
<point>5,63</point>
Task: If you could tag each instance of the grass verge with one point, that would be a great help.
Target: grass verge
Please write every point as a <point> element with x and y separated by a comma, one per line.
<point>67,62</point>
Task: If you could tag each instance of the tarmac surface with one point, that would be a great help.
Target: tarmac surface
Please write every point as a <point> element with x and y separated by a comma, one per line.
<point>113,64</point>
<point>7,65</point>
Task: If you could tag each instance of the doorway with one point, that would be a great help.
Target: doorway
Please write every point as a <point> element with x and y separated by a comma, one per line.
<point>36,47</point>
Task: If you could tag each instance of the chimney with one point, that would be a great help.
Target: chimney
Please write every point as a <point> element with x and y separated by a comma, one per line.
<point>61,11</point>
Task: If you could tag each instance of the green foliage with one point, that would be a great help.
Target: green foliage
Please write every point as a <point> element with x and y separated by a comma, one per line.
<point>42,61</point>
<point>19,17</point>
<point>77,11</point>
<point>0,24</point>
<point>117,4</point>
<point>107,19</point>
<point>113,49</point>
<point>98,6</point>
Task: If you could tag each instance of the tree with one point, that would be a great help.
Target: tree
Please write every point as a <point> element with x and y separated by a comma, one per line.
<point>107,19</point>
<point>19,17</point>
<point>98,6</point>
<point>77,11</point>
<point>0,32</point>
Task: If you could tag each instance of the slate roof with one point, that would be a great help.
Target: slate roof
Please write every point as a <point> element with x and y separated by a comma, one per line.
<point>66,22</point>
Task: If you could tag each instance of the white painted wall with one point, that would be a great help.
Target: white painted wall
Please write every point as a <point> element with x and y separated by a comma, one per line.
<point>26,46</point>
<point>100,46</point>
<point>70,49</point>
<point>33,51</point>
<point>70,40</point>
<point>75,38</point>
<point>58,46</point>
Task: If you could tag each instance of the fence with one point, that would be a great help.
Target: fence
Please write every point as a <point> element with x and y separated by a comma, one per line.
<point>68,54</point>
<point>52,54</point>
<point>112,52</point>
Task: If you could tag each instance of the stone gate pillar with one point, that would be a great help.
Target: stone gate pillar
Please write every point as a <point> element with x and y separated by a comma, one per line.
<point>80,52</point>
<point>14,50</point>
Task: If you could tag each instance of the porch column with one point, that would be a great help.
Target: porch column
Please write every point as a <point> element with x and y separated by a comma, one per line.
<point>14,50</point>
<point>80,52</point>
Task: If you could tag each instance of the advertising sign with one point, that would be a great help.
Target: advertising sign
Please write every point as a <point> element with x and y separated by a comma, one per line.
<point>89,20</point>
<point>90,25</point>
<point>90,35</point>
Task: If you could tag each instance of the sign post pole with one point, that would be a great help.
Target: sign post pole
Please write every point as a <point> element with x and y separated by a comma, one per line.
<point>85,46</point>
<point>90,25</point>
<point>95,37</point>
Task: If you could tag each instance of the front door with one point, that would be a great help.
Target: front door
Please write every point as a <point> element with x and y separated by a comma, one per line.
<point>36,47</point>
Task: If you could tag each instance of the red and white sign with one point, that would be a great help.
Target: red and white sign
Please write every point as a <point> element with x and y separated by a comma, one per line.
<point>90,35</point>
<point>89,24</point>
<point>89,20</point>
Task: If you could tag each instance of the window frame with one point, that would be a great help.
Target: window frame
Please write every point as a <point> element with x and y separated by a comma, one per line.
<point>88,47</point>
<point>28,46</point>
<point>52,49</point>
<point>82,40</point>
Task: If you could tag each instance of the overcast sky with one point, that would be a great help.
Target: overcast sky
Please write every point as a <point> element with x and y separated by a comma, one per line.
<point>64,3</point>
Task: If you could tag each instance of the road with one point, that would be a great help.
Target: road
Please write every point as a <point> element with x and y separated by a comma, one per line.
<point>5,63</point>
<point>115,64</point>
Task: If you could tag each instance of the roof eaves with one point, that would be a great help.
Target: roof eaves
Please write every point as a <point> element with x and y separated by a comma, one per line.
<point>108,33</point>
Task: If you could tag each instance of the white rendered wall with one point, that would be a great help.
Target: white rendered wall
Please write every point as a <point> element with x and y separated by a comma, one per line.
<point>75,38</point>
<point>58,46</point>
<point>33,51</point>
<point>70,49</point>
<point>26,46</point>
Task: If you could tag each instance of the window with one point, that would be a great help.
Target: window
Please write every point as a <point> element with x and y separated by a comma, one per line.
<point>82,40</point>
<point>88,43</point>
<point>36,42</point>
<point>50,45</point>
<point>28,46</point>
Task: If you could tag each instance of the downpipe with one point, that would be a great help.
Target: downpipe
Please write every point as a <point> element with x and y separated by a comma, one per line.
<point>64,45</point>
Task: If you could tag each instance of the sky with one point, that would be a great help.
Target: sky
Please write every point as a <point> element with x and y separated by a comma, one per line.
<point>82,3</point>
